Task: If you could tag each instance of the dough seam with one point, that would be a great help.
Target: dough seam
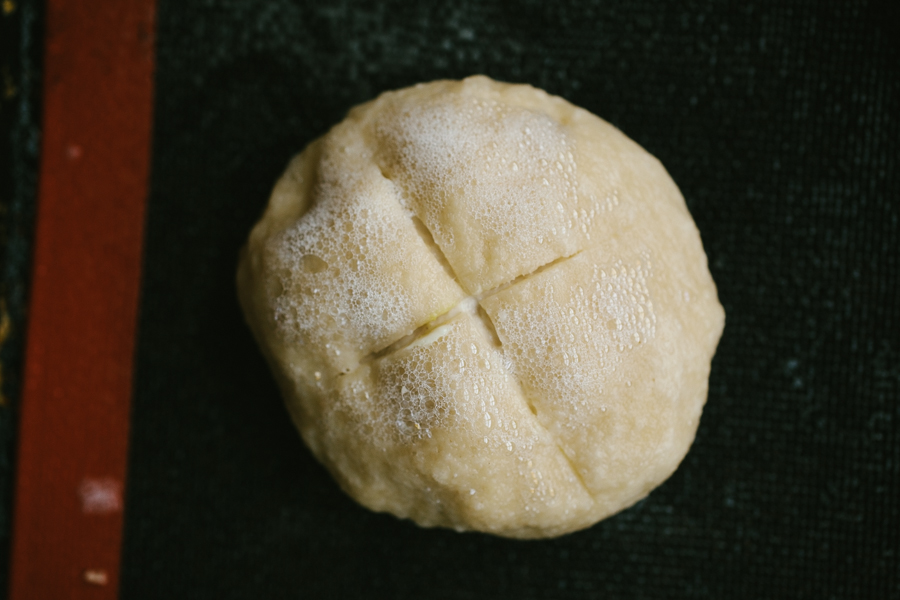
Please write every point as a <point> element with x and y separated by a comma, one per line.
<point>427,238</point>
<point>470,304</point>
<point>572,466</point>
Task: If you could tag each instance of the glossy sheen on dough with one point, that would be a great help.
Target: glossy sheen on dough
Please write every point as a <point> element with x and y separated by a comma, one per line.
<point>486,308</point>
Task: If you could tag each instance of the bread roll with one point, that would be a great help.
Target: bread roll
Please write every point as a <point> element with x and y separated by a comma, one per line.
<point>486,308</point>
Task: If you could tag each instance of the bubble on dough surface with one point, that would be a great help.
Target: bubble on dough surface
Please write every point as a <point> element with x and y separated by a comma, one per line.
<point>508,175</point>
<point>590,332</point>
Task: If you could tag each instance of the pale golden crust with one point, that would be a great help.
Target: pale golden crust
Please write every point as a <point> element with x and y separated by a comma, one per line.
<point>487,309</point>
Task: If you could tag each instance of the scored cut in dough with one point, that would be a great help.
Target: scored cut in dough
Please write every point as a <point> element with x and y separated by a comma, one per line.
<point>486,308</point>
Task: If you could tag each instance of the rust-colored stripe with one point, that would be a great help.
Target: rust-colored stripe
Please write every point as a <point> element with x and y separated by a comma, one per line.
<point>73,428</point>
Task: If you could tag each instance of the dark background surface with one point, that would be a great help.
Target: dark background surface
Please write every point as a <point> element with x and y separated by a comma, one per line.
<point>781,124</point>
<point>21,50</point>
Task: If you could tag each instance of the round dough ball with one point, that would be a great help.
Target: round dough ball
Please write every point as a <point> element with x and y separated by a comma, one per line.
<point>487,309</point>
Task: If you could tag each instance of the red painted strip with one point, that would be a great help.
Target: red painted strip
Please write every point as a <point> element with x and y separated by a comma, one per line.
<point>73,430</point>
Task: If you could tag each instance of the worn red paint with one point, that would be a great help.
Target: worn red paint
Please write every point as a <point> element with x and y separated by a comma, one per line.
<point>100,495</point>
<point>73,432</point>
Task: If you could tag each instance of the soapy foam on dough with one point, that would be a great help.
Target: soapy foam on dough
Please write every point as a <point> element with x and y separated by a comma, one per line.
<point>482,411</point>
<point>414,394</point>
<point>448,399</point>
<point>606,316</point>
<point>337,269</point>
<point>351,231</point>
<point>506,176</point>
